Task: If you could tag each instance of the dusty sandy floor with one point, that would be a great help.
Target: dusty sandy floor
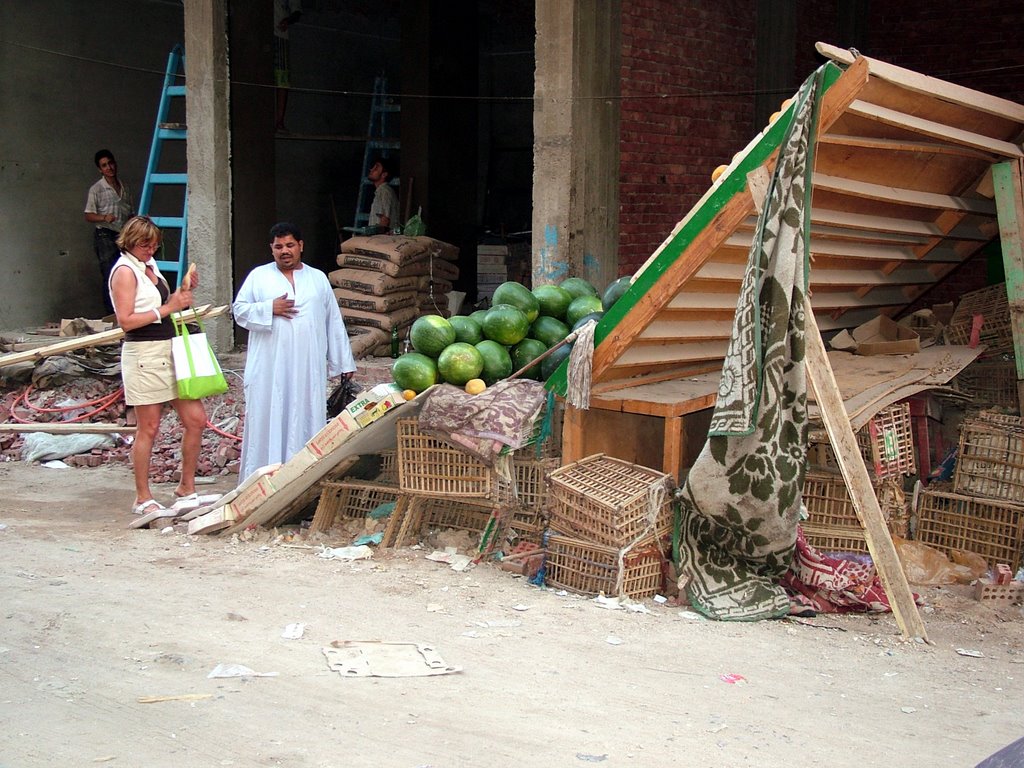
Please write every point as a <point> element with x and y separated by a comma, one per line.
<point>95,617</point>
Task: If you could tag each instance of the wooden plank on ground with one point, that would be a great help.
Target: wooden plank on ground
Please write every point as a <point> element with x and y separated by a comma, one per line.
<point>91,340</point>
<point>1009,191</point>
<point>855,473</point>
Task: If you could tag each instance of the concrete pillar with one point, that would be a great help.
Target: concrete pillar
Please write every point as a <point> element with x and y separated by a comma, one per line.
<point>209,171</point>
<point>576,141</point>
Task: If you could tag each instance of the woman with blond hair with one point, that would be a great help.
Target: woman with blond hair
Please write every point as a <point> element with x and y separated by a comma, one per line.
<point>143,303</point>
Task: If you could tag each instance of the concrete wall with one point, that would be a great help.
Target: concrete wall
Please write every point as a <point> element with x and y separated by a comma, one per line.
<point>74,77</point>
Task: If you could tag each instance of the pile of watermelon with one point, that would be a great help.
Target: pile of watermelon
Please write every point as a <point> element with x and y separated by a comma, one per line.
<point>491,344</point>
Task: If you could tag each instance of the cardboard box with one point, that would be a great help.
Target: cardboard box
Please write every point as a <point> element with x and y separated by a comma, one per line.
<point>371,404</point>
<point>373,411</point>
<point>881,336</point>
<point>334,433</point>
<point>253,496</point>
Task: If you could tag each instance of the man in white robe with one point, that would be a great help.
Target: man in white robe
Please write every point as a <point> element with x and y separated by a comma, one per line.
<point>297,339</point>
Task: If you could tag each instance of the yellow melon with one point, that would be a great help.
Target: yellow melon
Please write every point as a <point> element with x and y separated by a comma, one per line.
<point>475,386</point>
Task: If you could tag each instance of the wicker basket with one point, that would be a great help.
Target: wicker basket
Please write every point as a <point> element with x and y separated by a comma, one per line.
<point>429,466</point>
<point>388,468</point>
<point>349,498</point>
<point>996,329</point>
<point>990,460</point>
<point>530,493</point>
<point>606,500</point>
<point>992,381</point>
<point>992,528</point>
<point>592,569</point>
<point>457,514</point>
<point>833,525</point>
<point>887,442</point>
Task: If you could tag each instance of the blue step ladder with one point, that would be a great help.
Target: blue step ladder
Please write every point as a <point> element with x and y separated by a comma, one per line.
<point>174,88</point>
<point>377,143</point>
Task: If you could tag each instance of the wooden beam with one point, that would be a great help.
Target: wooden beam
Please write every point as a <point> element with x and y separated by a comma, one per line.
<point>91,340</point>
<point>677,274</point>
<point>868,223</point>
<point>936,130</point>
<point>865,503</point>
<point>833,103</point>
<point>912,275</point>
<point>1010,204</point>
<point>904,145</point>
<point>901,196</point>
<point>61,428</point>
<point>929,86</point>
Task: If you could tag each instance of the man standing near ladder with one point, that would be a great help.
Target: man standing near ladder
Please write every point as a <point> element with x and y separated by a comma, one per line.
<point>384,210</point>
<point>109,205</point>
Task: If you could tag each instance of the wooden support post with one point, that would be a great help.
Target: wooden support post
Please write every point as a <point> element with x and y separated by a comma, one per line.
<point>1006,178</point>
<point>675,446</point>
<point>855,473</point>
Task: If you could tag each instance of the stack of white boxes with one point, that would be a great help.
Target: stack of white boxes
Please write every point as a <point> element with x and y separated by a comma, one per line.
<point>491,270</point>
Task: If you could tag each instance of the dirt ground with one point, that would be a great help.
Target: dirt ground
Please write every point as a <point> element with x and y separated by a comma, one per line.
<point>95,617</point>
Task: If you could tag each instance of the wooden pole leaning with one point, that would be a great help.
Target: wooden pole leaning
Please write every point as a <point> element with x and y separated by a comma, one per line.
<point>855,473</point>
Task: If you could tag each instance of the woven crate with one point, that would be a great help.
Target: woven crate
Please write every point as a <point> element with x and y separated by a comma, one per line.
<point>592,569</point>
<point>430,466</point>
<point>530,492</point>
<point>349,498</point>
<point>388,468</point>
<point>887,442</point>
<point>990,460</point>
<point>996,329</point>
<point>832,525</point>
<point>606,500</point>
<point>992,528</point>
<point>453,513</point>
<point>992,381</point>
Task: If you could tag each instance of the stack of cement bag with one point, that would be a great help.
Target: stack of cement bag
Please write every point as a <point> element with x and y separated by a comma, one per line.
<point>387,281</point>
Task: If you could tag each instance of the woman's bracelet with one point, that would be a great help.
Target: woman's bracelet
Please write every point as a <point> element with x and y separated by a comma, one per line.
<point>159,319</point>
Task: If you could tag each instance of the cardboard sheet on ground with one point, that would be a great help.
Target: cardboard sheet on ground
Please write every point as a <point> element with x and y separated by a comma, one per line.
<point>296,478</point>
<point>377,658</point>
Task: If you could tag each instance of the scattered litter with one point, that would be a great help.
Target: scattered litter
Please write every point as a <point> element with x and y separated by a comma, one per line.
<point>42,446</point>
<point>55,464</point>
<point>237,670</point>
<point>591,758</point>
<point>471,633</point>
<point>434,607</point>
<point>178,697</point>
<point>660,599</point>
<point>451,556</point>
<point>615,603</point>
<point>520,607</point>
<point>293,631</point>
<point>104,759</point>
<point>690,616</point>
<point>972,654</point>
<point>613,640</point>
<point>362,552</point>
<point>3,526</point>
<point>374,658</point>
<point>167,529</point>
<point>733,679</point>
<point>908,710</point>
<point>369,538</point>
